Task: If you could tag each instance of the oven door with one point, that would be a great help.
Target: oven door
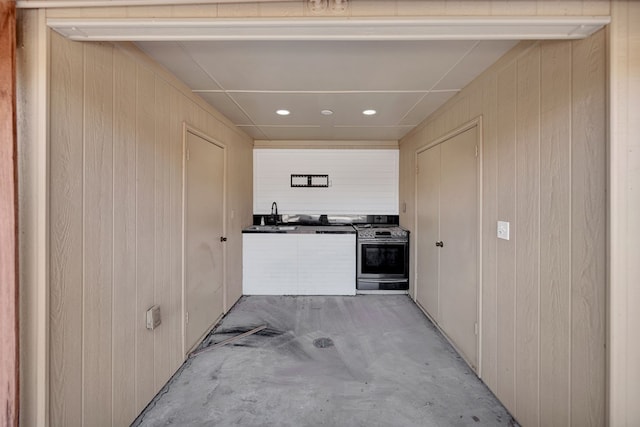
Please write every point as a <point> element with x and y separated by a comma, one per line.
<point>383,259</point>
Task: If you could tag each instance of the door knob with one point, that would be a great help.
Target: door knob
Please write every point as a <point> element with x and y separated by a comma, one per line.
<point>223,239</point>
<point>440,244</point>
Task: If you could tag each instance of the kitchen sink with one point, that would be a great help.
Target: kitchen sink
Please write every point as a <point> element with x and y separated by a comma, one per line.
<point>273,228</point>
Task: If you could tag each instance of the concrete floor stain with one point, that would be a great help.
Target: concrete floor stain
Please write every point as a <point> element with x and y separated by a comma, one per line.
<point>323,342</point>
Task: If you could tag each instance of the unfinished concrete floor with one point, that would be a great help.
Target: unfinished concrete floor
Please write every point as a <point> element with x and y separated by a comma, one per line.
<point>385,365</point>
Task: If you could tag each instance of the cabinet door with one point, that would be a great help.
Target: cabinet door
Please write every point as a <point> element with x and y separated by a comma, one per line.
<point>270,264</point>
<point>327,264</point>
<point>428,230</point>
<point>459,234</point>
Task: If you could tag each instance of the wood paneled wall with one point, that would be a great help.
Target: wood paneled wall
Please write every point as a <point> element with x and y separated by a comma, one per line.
<point>624,215</point>
<point>299,8</point>
<point>116,227</point>
<point>544,161</point>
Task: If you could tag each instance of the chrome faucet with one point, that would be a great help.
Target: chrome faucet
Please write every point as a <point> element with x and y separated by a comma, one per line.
<point>274,216</point>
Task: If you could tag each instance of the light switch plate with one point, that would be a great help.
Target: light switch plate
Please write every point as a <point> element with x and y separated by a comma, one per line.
<point>503,230</point>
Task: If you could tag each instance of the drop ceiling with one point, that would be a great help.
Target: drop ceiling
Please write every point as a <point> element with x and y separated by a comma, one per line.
<point>404,69</point>
<point>404,81</point>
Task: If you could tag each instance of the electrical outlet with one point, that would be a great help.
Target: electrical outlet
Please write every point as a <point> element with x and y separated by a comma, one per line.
<point>153,317</point>
<point>503,230</point>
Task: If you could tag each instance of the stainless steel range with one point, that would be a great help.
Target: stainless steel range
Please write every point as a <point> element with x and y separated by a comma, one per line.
<point>382,257</point>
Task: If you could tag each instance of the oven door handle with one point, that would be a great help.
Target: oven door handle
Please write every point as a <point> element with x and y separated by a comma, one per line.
<point>385,241</point>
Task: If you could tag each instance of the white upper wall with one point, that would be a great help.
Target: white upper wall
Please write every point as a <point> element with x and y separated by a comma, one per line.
<point>360,181</point>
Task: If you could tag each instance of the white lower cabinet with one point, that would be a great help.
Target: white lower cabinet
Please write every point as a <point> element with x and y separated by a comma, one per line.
<point>298,264</point>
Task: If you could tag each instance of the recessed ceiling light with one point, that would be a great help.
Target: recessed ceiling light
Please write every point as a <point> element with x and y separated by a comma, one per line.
<point>283,112</point>
<point>369,112</point>
<point>326,112</point>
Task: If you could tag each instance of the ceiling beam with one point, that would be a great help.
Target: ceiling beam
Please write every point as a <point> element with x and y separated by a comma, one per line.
<point>304,29</point>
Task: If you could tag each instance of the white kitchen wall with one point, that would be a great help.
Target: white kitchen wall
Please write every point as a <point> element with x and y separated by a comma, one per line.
<point>360,181</point>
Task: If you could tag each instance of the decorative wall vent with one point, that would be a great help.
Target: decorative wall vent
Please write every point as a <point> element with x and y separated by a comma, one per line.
<point>308,180</point>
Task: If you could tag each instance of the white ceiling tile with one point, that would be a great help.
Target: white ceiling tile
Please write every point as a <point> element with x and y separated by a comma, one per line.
<point>376,133</point>
<point>327,65</point>
<point>478,60</point>
<point>347,108</point>
<point>175,59</point>
<point>253,131</point>
<point>223,103</point>
<point>425,107</point>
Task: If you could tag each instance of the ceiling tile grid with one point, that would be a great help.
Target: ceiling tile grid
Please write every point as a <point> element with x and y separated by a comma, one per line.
<point>404,81</point>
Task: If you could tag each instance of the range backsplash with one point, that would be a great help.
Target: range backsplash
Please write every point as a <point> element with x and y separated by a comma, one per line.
<point>313,219</point>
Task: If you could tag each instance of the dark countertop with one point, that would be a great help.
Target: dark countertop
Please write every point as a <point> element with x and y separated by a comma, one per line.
<point>301,229</point>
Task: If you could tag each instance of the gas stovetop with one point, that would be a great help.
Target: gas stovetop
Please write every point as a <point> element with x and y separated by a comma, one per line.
<point>381,231</point>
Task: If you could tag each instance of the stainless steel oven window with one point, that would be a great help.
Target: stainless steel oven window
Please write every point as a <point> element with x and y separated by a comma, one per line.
<point>382,259</point>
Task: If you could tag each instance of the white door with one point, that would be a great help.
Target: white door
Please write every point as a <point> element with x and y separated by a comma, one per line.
<point>459,234</point>
<point>428,230</point>
<point>447,233</point>
<point>204,228</point>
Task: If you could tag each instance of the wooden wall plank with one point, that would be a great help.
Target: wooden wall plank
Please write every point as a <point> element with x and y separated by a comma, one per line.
<point>514,7</point>
<point>596,7</point>
<point>623,348</point>
<point>9,312</point>
<point>145,232</point>
<point>506,171</point>
<point>237,10</point>
<point>66,163</point>
<point>124,241</point>
<point>633,211</point>
<point>174,317</point>
<point>588,166</point>
<point>162,335</point>
<point>489,323</point>
<point>469,7</point>
<point>98,234</point>
<point>372,8</point>
<point>560,7</point>
<point>528,248</point>
<point>621,250</point>
<point>555,233</point>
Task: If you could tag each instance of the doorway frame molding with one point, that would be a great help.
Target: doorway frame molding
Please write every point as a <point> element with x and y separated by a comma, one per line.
<point>187,128</point>
<point>477,123</point>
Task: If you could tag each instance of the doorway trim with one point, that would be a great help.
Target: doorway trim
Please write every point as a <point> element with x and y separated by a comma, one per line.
<point>186,129</point>
<point>9,271</point>
<point>477,123</point>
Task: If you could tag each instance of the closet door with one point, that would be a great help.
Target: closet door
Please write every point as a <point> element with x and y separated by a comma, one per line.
<point>459,234</point>
<point>428,230</point>
<point>204,227</point>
